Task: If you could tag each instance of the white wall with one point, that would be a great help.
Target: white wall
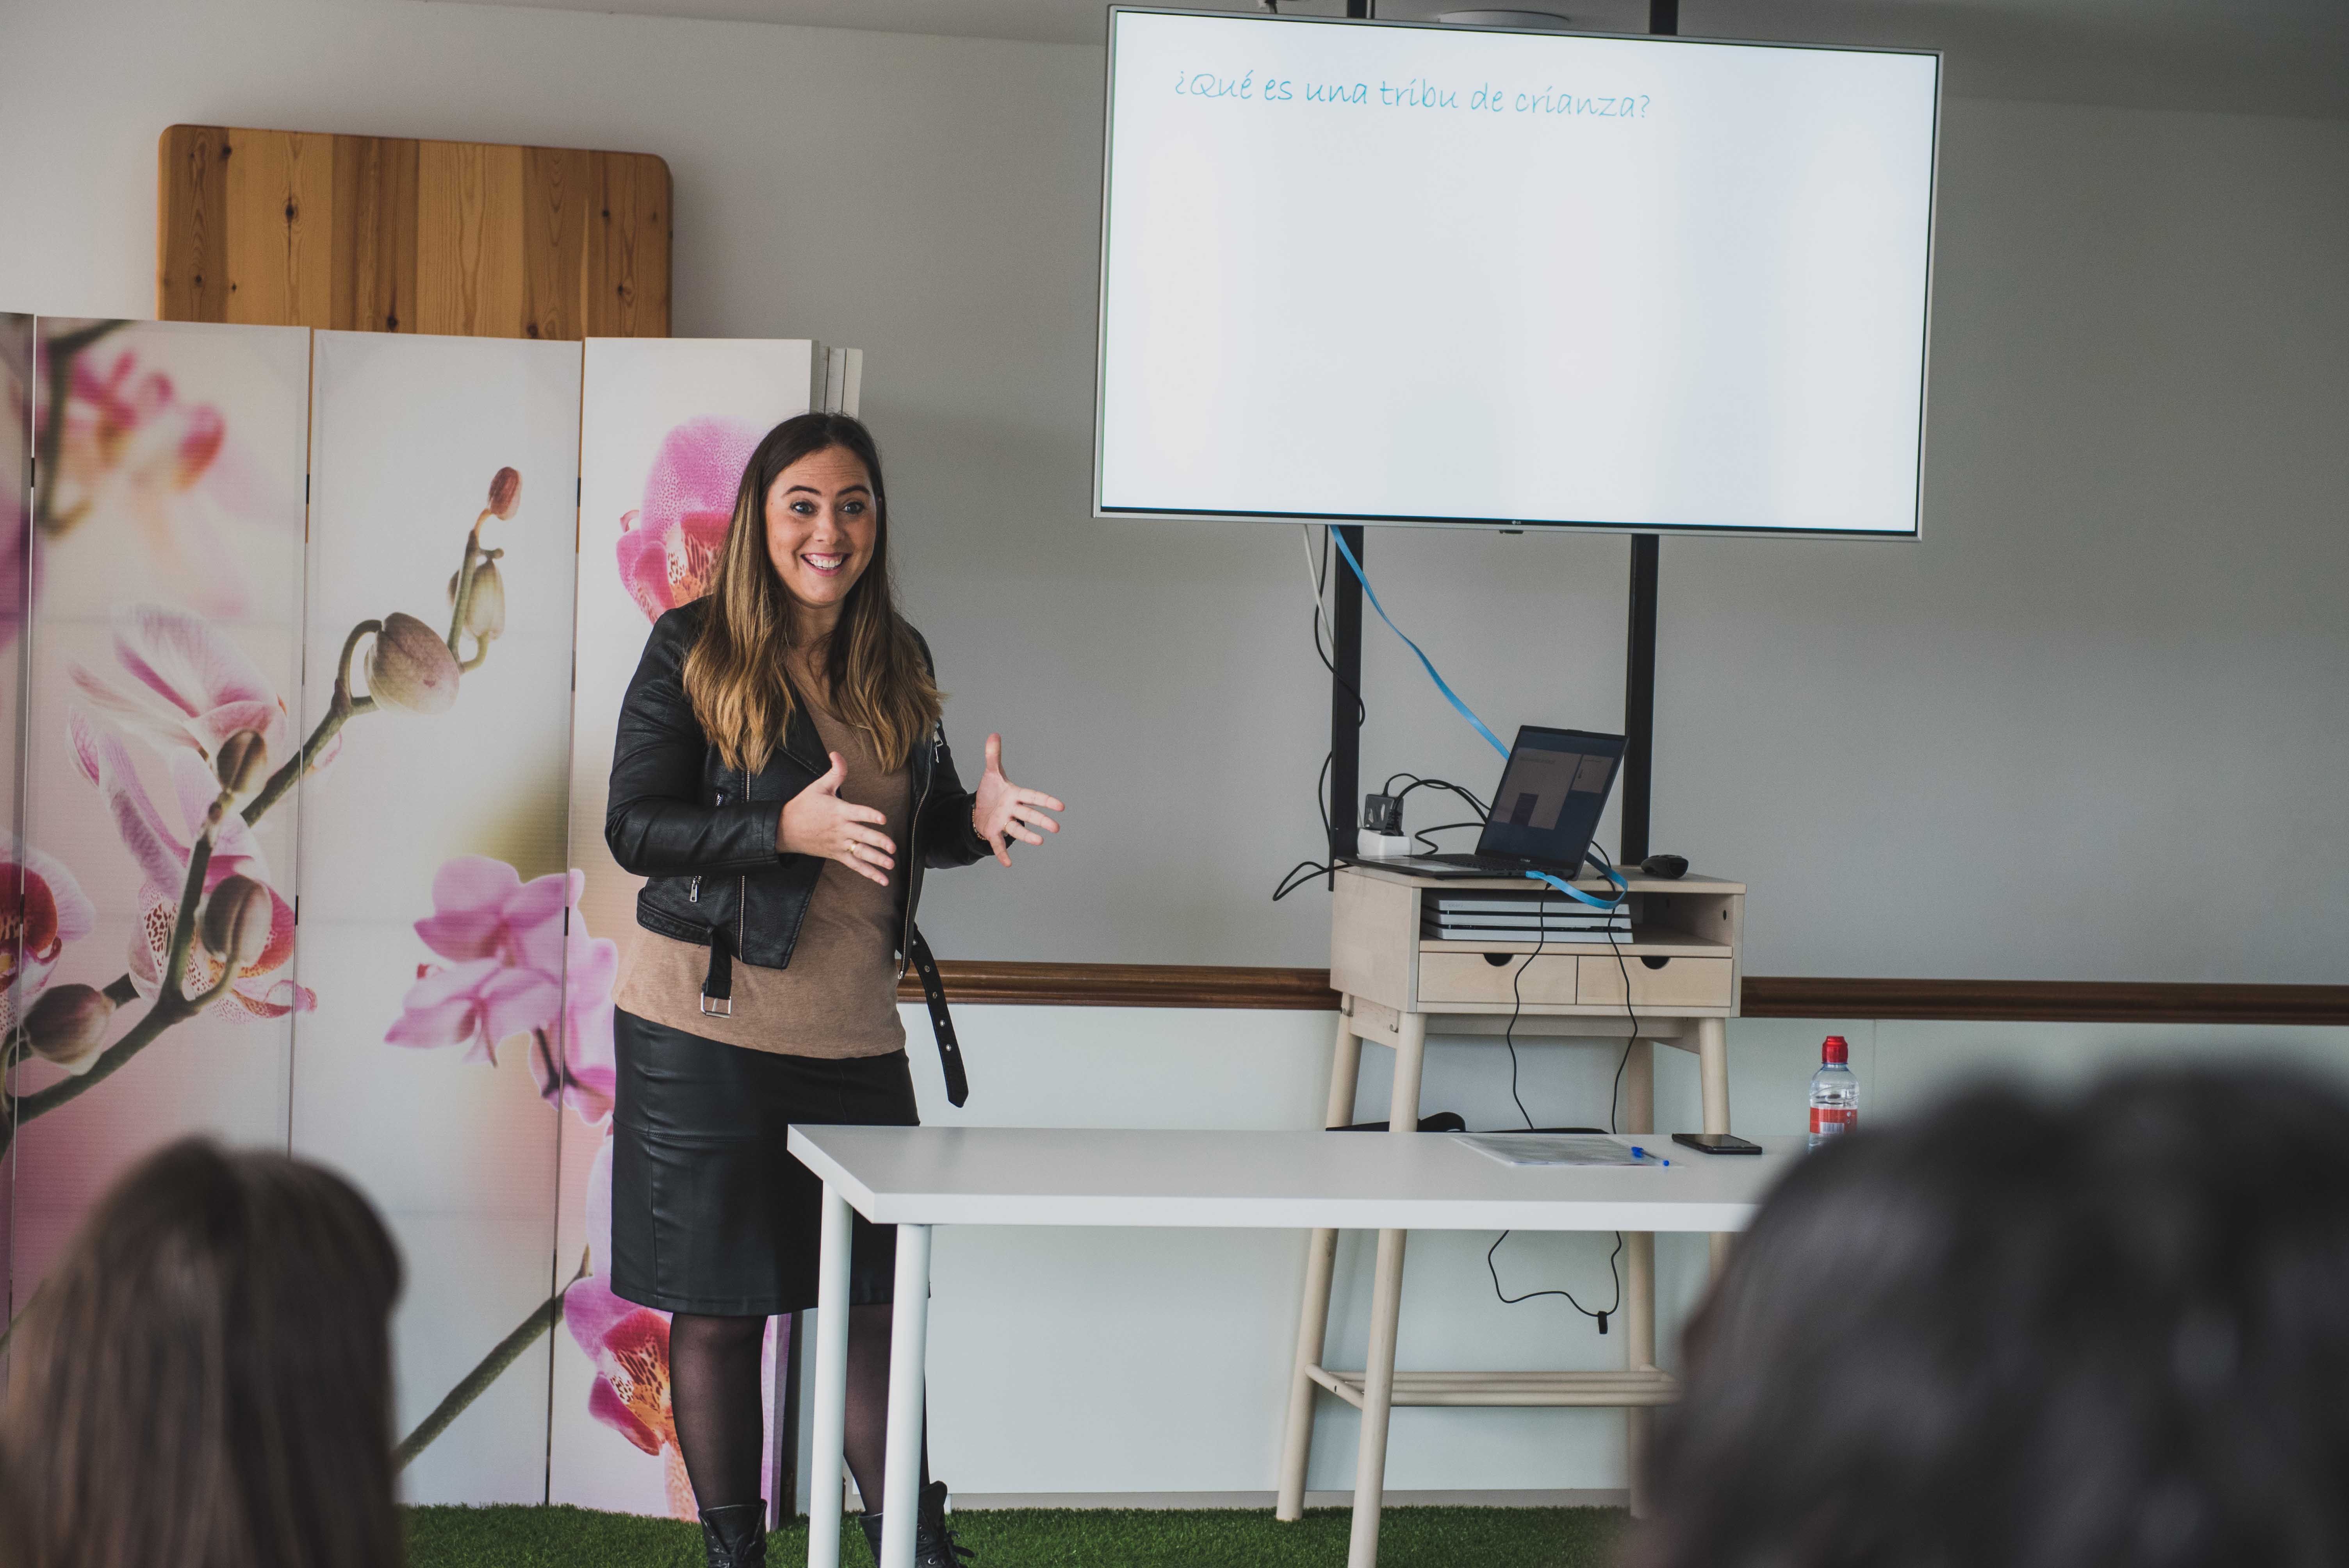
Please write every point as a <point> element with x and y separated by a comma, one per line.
<point>2092,727</point>
<point>2089,728</point>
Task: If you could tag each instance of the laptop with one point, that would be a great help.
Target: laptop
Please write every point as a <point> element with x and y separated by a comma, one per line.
<point>1553,787</point>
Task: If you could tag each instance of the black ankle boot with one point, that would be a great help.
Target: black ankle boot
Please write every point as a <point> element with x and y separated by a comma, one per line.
<point>735,1536</point>
<point>934,1544</point>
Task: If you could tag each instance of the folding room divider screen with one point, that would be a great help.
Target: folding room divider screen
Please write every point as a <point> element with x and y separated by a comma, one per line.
<point>342,578</point>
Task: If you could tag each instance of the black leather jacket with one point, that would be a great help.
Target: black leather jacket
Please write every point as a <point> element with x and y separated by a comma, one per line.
<point>704,833</point>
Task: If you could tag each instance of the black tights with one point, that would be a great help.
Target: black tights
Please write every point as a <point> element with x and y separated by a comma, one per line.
<point>714,1395</point>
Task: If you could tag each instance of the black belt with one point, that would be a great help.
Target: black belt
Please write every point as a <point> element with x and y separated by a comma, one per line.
<point>934,993</point>
<point>717,987</point>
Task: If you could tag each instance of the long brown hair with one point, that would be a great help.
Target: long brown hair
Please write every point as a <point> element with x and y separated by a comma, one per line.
<point>878,679</point>
<point>204,1380</point>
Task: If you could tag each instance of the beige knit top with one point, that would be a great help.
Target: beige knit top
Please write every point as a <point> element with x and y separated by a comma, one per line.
<point>839,997</point>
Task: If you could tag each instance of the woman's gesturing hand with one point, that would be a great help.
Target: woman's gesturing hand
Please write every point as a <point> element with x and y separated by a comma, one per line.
<point>817,821</point>
<point>1005,811</point>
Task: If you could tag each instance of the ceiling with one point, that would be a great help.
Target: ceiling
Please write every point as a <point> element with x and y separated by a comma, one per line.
<point>2247,56</point>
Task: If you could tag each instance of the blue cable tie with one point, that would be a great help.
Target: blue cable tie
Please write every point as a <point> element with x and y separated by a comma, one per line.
<point>1449,695</point>
<point>1622,889</point>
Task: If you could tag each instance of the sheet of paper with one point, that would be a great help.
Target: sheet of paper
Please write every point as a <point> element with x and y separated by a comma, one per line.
<point>1550,1149</point>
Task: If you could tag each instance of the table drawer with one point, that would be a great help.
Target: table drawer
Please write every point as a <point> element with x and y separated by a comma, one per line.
<point>1679,982</point>
<point>1548,980</point>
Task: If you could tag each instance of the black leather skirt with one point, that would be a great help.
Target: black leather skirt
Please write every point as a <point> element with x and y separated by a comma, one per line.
<point>709,1211</point>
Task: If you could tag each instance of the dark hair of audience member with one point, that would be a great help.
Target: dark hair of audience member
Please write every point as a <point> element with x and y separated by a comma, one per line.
<point>2106,1333</point>
<point>204,1379</point>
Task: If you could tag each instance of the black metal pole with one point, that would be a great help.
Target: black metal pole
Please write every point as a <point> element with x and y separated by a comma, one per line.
<point>1345,688</point>
<point>1639,649</point>
<point>1638,700</point>
<point>1346,675</point>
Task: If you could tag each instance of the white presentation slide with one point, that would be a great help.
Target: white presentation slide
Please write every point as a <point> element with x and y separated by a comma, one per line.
<point>1446,274</point>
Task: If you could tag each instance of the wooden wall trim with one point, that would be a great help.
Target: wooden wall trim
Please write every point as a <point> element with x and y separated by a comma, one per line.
<point>1132,986</point>
<point>1764,996</point>
<point>2045,1001</point>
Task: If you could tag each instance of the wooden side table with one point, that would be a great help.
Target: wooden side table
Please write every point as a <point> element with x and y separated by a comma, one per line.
<point>1679,975</point>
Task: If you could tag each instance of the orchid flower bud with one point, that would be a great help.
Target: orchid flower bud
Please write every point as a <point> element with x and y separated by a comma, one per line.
<point>200,443</point>
<point>67,1022</point>
<point>235,925</point>
<point>410,667</point>
<point>485,612</point>
<point>505,492</point>
<point>242,762</point>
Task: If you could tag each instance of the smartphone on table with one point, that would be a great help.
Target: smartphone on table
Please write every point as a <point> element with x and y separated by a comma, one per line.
<point>1716,1142</point>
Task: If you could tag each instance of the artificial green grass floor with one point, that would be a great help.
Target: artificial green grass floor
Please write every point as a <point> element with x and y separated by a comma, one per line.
<point>528,1537</point>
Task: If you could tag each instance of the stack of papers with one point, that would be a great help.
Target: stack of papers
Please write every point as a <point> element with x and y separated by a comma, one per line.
<point>1552,1149</point>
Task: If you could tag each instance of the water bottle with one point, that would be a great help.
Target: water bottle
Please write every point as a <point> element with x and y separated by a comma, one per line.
<point>1835,1093</point>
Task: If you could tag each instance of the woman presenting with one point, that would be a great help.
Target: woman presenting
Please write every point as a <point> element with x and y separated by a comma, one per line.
<point>782,779</point>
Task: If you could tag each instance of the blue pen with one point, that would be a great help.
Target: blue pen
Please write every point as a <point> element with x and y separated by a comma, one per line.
<point>1639,1153</point>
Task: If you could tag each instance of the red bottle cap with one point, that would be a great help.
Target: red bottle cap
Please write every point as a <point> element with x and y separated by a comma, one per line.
<point>1835,1052</point>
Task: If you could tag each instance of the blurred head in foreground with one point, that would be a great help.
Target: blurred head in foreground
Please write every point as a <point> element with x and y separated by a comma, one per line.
<point>2106,1333</point>
<point>204,1379</point>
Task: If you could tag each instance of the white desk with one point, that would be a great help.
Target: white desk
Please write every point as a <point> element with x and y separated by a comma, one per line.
<point>917,1177</point>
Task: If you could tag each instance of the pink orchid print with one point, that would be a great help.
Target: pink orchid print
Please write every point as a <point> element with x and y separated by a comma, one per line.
<point>628,1343</point>
<point>186,684</point>
<point>20,575</point>
<point>505,940</point>
<point>588,1071</point>
<point>668,547</point>
<point>132,446</point>
<point>18,587</point>
<point>506,944</point>
<point>161,850</point>
<point>42,908</point>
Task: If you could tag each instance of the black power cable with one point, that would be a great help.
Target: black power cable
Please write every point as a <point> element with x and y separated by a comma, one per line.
<point>1291,881</point>
<point>1600,1317</point>
<point>1615,1096</point>
<point>1475,804</point>
<point>1429,844</point>
<point>1518,1006</point>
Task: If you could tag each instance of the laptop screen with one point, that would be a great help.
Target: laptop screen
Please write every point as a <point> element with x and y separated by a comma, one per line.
<point>1552,789</point>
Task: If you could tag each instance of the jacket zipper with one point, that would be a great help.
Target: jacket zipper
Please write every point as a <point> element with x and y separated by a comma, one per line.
<point>693,888</point>
<point>743,883</point>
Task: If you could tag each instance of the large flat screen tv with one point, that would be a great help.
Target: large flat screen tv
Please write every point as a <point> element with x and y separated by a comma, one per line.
<point>1417,274</point>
